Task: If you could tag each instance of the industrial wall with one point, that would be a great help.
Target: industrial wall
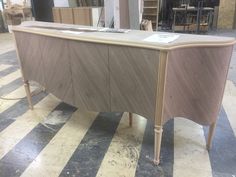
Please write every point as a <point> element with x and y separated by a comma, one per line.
<point>227,14</point>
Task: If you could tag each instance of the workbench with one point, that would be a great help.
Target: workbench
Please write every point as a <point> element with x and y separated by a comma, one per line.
<point>188,19</point>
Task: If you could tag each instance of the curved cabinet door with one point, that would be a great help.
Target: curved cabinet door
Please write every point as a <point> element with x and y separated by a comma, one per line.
<point>133,79</point>
<point>29,51</point>
<point>195,83</point>
<point>55,56</point>
<point>90,73</point>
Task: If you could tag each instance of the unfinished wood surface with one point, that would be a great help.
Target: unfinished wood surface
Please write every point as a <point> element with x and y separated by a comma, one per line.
<point>29,52</point>
<point>67,15</point>
<point>133,80</point>
<point>159,107</point>
<point>195,83</point>
<point>82,16</point>
<point>56,14</point>
<point>133,38</point>
<point>120,72</point>
<point>27,90</point>
<point>57,70</point>
<point>90,73</point>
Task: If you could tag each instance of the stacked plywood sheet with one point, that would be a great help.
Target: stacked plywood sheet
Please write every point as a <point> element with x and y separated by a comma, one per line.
<point>79,15</point>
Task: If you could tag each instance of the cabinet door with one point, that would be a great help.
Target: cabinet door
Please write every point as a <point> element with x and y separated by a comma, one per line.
<point>30,56</point>
<point>89,66</point>
<point>55,56</point>
<point>133,79</point>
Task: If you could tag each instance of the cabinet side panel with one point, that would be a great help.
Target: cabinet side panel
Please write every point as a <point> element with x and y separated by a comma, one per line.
<point>90,74</point>
<point>30,56</point>
<point>195,83</point>
<point>133,79</point>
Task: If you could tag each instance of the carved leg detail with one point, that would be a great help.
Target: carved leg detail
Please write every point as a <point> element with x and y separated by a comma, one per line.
<point>130,119</point>
<point>27,90</point>
<point>210,135</point>
<point>157,146</point>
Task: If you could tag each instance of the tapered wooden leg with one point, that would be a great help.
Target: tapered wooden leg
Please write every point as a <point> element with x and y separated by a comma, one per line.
<point>27,90</point>
<point>210,135</point>
<point>157,146</point>
<point>130,119</point>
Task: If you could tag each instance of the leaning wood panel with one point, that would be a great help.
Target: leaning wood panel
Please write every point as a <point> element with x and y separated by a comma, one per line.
<point>67,15</point>
<point>133,80</point>
<point>195,83</point>
<point>29,51</point>
<point>56,14</point>
<point>90,75</point>
<point>57,69</point>
<point>82,16</point>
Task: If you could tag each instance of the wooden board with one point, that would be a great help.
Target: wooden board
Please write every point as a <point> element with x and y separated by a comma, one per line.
<point>67,15</point>
<point>56,15</point>
<point>82,16</point>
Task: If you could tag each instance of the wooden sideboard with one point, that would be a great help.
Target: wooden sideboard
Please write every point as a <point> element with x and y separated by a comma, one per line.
<point>101,71</point>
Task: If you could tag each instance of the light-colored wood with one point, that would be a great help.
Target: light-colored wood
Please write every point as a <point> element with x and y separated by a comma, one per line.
<point>132,38</point>
<point>133,80</point>
<point>78,15</point>
<point>67,15</point>
<point>157,144</point>
<point>28,94</point>
<point>121,72</point>
<point>56,14</point>
<point>82,16</point>
<point>159,110</point>
<point>210,135</point>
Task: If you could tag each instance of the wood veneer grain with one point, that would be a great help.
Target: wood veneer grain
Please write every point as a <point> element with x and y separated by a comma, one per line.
<point>29,51</point>
<point>195,83</point>
<point>90,73</point>
<point>99,72</point>
<point>57,69</point>
<point>133,80</point>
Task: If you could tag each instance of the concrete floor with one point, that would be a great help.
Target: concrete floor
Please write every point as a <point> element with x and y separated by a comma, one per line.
<point>6,42</point>
<point>56,139</point>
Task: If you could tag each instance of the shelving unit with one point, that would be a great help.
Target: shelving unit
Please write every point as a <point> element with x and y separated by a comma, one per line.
<point>150,11</point>
<point>188,19</point>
